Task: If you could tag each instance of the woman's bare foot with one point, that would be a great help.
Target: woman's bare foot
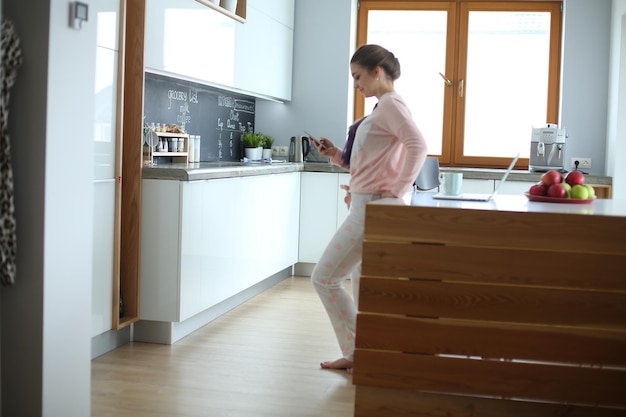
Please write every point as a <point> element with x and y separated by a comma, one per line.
<point>341,363</point>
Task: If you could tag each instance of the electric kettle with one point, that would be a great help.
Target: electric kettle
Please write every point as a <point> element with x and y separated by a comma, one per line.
<point>299,147</point>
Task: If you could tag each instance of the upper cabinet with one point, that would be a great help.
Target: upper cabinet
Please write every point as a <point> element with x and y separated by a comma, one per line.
<point>235,9</point>
<point>188,38</point>
<point>264,49</point>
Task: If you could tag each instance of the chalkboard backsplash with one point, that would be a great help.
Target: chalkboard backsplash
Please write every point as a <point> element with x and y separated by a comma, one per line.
<point>219,117</point>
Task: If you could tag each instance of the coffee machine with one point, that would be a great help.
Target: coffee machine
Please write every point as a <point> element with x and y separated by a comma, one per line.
<point>547,149</point>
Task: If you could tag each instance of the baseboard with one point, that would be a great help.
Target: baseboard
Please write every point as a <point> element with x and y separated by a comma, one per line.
<point>171,332</point>
<point>109,341</point>
<point>303,269</point>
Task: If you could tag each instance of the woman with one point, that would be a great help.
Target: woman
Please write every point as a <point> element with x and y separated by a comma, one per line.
<point>384,153</point>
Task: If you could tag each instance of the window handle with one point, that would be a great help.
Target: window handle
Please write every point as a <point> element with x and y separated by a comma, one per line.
<point>461,84</point>
<point>448,82</point>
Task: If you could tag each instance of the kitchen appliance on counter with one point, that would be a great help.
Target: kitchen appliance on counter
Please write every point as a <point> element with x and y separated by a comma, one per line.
<point>547,149</point>
<point>299,147</point>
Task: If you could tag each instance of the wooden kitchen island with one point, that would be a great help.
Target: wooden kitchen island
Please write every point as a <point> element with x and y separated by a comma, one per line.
<point>503,308</point>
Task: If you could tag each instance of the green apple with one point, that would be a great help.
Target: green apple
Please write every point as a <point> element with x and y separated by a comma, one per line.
<point>590,190</point>
<point>579,192</point>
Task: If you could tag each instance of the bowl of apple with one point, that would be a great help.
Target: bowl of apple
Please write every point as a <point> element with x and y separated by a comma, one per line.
<point>556,188</point>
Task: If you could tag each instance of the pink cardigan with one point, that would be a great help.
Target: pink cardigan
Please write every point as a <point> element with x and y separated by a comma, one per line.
<point>388,152</point>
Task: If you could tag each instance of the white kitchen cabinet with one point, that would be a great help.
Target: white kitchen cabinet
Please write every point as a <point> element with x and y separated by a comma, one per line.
<point>322,210</point>
<point>189,39</point>
<point>206,241</point>
<point>282,11</point>
<point>105,186</point>
<point>194,41</point>
<point>264,51</point>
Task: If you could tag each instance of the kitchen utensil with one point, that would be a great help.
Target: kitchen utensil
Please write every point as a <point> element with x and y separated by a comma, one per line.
<point>299,147</point>
<point>451,182</point>
<point>152,140</point>
<point>547,149</point>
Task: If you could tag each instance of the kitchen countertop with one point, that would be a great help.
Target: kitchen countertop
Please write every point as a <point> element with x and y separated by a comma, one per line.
<point>226,169</point>
<point>517,203</point>
<point>518,175</point>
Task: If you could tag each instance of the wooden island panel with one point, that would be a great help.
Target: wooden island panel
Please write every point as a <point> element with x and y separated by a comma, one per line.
<point>467,312</point>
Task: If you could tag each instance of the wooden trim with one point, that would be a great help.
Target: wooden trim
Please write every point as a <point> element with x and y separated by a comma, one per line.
<point>554,7</point>
<point>456,62</point>
<point>554,74</point>
<point>540,231</point>
<point>361,39</point>
<point>451,99</point>
<point>600,272</point>
<point>504,379</point>
<point>386,402</point>
<point>506,303</point>
<point>603,191</point>
<point>115,320</point>
<point>492,339</point>
<point>132,160</point>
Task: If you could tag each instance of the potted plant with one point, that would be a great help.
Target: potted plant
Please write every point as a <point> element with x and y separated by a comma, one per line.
<point>253,148</point>
<point>266,142</point>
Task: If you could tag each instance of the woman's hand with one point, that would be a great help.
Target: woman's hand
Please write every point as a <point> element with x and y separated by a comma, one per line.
<point>348,198</point>
<point>324,146</point>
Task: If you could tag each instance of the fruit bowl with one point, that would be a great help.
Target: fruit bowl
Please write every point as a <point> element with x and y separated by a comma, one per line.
<point>544,199</point>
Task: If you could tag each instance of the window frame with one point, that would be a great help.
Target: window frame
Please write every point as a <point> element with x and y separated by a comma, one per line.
<point>456,60</point>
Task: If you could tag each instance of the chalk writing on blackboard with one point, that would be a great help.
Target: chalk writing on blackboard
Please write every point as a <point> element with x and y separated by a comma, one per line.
<point>218,117</point>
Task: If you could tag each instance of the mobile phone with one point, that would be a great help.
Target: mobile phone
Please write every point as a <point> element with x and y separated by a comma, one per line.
<point>312,138</point>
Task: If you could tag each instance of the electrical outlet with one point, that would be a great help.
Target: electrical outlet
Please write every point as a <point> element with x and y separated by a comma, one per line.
<point>275,150</point>
<point>583,163</point>
<point>283,150</point>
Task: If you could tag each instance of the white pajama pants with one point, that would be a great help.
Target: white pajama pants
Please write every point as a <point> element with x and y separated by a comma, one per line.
<point>341,260</point>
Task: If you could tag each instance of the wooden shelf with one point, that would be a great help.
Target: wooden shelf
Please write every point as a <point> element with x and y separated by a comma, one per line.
<point>172,154</point>
<point>240,12</point>
<point>172,135</point>
<point>603,191</point>
<point>130,117</point>
<point>180,157</point>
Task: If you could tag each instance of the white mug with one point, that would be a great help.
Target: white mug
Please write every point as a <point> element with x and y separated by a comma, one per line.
<point>451,182</point>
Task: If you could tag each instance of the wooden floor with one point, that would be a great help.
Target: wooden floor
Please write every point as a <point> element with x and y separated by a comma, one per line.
<point>260,359</point>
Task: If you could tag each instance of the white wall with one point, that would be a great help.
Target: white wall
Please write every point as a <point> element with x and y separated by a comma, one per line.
<point>616,130</point>
<point>585,70</point>
<point>46,314</point>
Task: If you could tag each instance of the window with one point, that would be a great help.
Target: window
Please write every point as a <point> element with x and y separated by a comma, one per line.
<point>476,75</point>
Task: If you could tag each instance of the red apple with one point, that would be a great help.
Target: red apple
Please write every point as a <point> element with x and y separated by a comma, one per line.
<point>538,189</point>
<point>575,177</point>
<point>551,177</point>
<point>557,191</point>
